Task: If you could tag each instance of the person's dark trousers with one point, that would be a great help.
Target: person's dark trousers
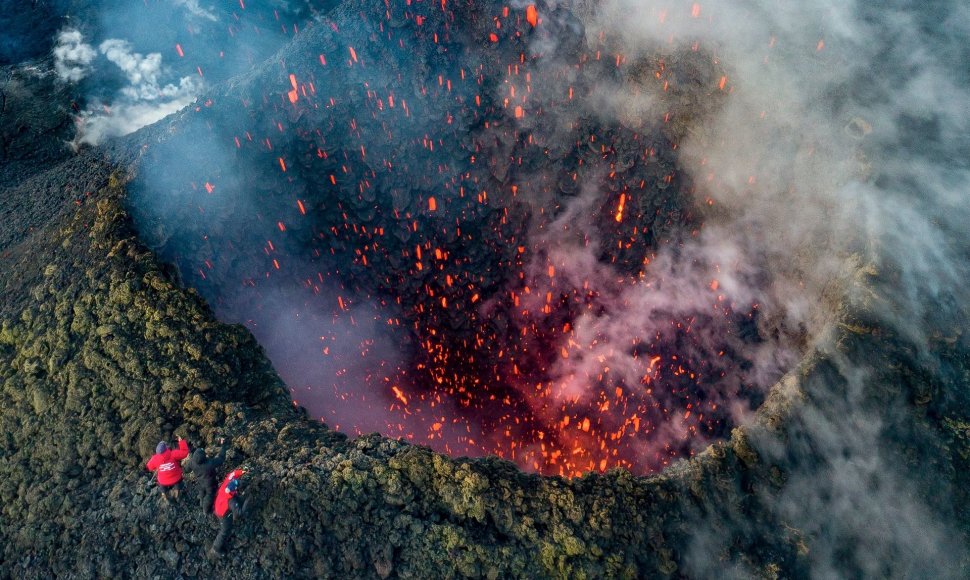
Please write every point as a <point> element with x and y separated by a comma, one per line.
<point>208,494</point>
<point>225,528</point>
<point>167,490</point>
<point>236,510</point>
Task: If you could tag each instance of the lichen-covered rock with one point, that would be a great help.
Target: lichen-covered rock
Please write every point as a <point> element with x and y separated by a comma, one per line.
<point>103,353</point>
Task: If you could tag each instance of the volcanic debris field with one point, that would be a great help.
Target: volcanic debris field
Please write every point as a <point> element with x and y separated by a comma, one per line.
<point>419,219</point>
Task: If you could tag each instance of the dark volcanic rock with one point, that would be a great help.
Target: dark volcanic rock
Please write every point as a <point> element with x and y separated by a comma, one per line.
<point>36,123</point>
<point>26,28</point>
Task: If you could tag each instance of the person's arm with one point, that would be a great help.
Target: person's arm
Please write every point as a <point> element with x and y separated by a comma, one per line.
<point>183,450</point>
<point>221,458</point>
<point>152,464</point>
<point>191,465</point>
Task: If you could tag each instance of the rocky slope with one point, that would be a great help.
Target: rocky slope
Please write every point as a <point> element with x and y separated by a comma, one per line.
<point>103,352</point>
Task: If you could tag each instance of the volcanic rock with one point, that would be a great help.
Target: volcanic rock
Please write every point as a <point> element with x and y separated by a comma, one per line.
<point>104,351</point>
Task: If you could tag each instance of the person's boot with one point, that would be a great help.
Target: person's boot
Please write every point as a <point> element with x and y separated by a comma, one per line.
<point>175,493</point>
<point>218,546</point>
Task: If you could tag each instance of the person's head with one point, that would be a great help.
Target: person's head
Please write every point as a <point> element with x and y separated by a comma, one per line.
<point>162,447</point>
<point>198,455</point>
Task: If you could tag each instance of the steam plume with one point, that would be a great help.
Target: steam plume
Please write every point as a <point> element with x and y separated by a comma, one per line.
<point>841,136</point>
<point>72,56</point>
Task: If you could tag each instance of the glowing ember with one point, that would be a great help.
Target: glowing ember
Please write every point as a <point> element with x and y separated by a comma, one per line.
<point>532,15</point>
<point>516,312</point>
<point>293,95</point>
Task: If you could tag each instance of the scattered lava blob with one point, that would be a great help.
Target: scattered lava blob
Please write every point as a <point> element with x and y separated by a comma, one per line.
<point>467,226</point>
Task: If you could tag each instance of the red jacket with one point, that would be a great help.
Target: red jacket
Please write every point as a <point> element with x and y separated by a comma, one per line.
<point>224,495</point>
<point>167,464</point>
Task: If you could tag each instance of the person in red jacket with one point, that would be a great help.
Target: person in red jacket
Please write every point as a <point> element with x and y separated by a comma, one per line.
<point>168,471</point>
<point>228,506</point>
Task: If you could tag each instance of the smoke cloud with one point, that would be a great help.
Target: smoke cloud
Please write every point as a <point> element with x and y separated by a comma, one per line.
<point>72,56</point>
<point>843,135</point>
<point>142,102</point>
<point>195,9</point>
<point>124,118</point>
<point>142,72</point>
<point>153,60</point>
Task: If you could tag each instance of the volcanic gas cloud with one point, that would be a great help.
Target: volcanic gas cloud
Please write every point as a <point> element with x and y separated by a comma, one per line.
<point>468,225</point>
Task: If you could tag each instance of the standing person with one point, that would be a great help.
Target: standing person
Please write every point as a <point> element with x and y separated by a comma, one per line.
<point>228,506</point>
<point>204,469</point>
<point>165,464</point>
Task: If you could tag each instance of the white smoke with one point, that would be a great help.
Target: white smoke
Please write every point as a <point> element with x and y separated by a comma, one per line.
<point>125,118</point>
<point>72,56</point>
<point>193,8</point>
<point>145,100</point>
<point>841,138</point>
<point>143,73</point>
